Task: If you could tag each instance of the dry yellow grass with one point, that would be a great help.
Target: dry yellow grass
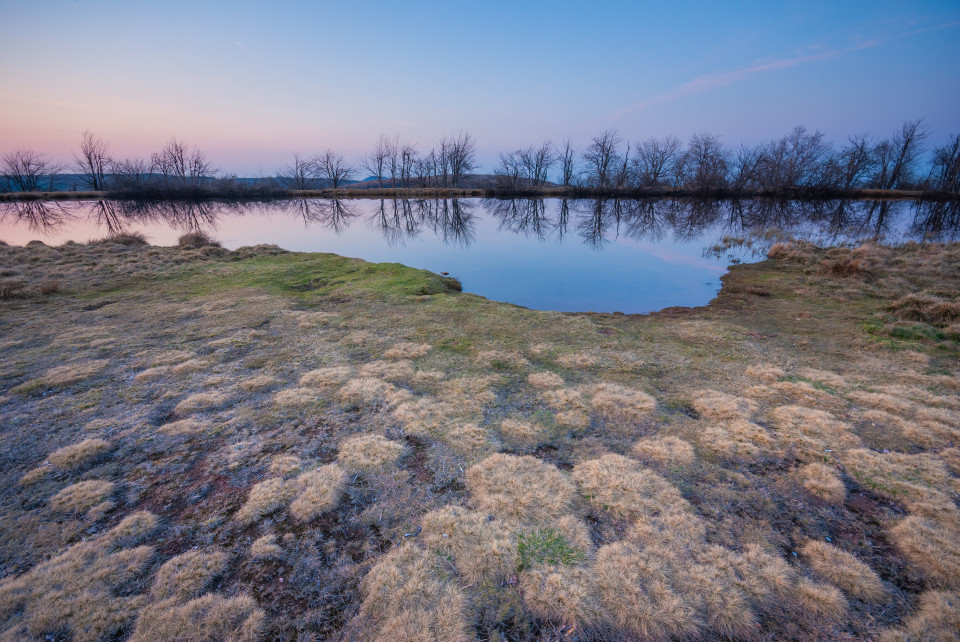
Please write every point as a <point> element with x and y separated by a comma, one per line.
<point>266,547</point>
<point>625,489</point>
<point>887,475</point>
<point>258,383</point>
<point>937,619</point>
<point>207,618</point>
<point>74,372</point>
<point>81,497</point>
<point>502,360</point>
<point>318,491</point>
<point>819,601</point>
<point>188,575</point>
<point>520,488</point>
<point>570,405</point>
<point>133,529</point>
<point>151,373</point>
<point>823,376</point>
<point>521,433</point>
<point>563,594</point>
<point>182,427</point>
<point>665,451</point>
<point>200,401</point>
<point>325,377</point>
<point>619,404</point>
<point>577,361</point>
<point>294,397</point>
<point>823,481</point>
<point>264,498</point>
<point>735,439</point>
<point>480,548</point>
<point>370,453</point>
<point>79,455</point>
<point>810,433</point>
<point>391,370</point>
<point>470,441</point>
<point>765,372</point>
<point>34,475</point>
<point>545,380</point>
<point>407,351</point>
<point>171,357</point>
<point>932,546</point>
<point>712,404</point>
<point>407,596</point>
<point>371,390</point>
<point>193,365</point>
<point>843,570</point>
<point>285,465</point>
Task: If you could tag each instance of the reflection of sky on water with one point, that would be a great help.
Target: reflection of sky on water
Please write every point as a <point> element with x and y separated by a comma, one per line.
<point>627,256</point>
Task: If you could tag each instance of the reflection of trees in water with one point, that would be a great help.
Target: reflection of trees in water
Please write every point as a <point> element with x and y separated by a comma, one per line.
<point>38,216</point>
<point>936,221</point>
<point>334,214</point>
<point>527,216</point>
<point>186,216</point>
<point>453,220</point>
<point>395,220</point>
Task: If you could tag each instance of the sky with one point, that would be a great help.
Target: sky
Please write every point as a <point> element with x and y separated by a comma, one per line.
<point>250,83</point>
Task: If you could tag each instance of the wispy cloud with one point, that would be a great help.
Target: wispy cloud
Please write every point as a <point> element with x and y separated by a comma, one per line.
<point>722,79</point>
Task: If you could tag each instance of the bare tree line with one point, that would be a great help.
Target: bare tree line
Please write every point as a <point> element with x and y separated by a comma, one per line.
<point>800,163</point>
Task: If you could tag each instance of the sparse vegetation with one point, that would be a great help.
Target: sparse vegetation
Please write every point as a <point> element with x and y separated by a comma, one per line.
<point>191,427</point>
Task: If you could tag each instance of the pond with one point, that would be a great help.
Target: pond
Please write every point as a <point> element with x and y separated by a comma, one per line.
<point>631,256</point>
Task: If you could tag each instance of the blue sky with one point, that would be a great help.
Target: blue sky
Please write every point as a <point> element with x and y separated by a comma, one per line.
<point>252,82</point>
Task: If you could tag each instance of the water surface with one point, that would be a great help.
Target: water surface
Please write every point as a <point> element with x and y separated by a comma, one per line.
<point>631,256</point>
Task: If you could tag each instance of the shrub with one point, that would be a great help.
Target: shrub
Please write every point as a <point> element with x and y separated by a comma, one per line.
<point>196,240</point>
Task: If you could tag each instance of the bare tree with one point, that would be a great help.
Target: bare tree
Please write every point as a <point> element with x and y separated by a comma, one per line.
<point>25,170</point>
<point>333,167</point>
<point>745,168</point>
<point>462,155</point>
<point>374,161</point>
<point>602,158</point>
<point>408,160</point>
<point>566,155</point>
<point>895,160</point>
<point>655,159</point>
<point>794,161</point>
<point>945,171</point>
<point>707,160</point>
<point>93,161</point>
<point>622,178</point>
<point>301,175</point>
<point>853,164</point>
<point>180,165</point>
<point>508,172</point>
<point>130,173</point>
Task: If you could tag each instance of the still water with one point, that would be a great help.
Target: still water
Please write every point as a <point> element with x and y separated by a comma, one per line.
<point>631,256</point>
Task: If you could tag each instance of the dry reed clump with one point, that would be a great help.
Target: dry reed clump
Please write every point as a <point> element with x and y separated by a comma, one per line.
<point>790,252</point>
<point>718,405</point>
<point>936,619</point>
<point>199,402</point>
<point>193,365</point>
<point>562,593</point>
<point>932,546</point>
<point>266,547</point>
<point>182,428</point>
<point>736,439</point>
<point>74,372</point>
<point>570,406</point>
<point>926,308</point>
<point>520,488</point>
<point>81,497</point>
<point>819,601</point>
<point>207,618</point>
<point>844,571</point>
<point>325,377</point>
<point>913,479</point>
<point>75,593</point>
<point>408,595</point>
<point>285,465</point>
<point>151,373</point>
<point>544,380</point>
<point>625,489</point>
<point>666,451</point>
<point>844,267</point>
<point>469,440</point>
<point>392,370</point>
<point>79,455</point>
<point>502,360</point>
<point>372,391</point>
<point>293,397</point>
<point>577,360</point>
<point>521,432</point>
<point>635,595</point>
<point>765,372</point>
<point>258,383</point>
<point>823,482</point>
<point>319,491</point>
<point>619,404</point>
<point>481,549</point>
<point>407,351</point>
<point>188,575</point>
<point>810,433</point>
<point>370,453</point>
<point>264,498</point>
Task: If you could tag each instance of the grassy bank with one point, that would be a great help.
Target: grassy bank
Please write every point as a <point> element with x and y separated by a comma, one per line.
<point>257,444</point>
